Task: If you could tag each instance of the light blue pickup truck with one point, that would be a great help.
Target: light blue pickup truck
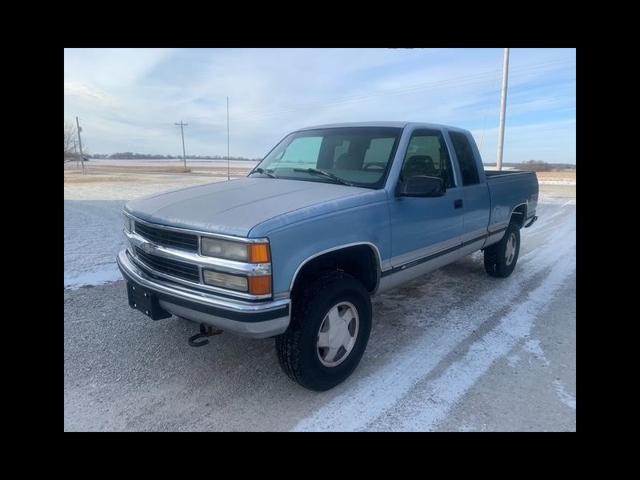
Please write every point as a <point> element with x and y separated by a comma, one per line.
<point>333,215</point>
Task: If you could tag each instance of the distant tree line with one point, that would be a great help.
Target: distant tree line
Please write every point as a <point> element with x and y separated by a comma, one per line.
<point>537,166</point>
<point>147,156</point>
<point>541,166</point>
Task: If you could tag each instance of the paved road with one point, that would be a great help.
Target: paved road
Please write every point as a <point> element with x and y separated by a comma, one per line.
<point>454,350</point>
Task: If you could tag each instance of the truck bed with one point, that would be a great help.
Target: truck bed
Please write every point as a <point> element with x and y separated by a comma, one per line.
<point>508,190</point>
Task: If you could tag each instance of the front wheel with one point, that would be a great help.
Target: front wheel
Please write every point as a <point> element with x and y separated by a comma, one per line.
<point>329,331</point>
<point>500,258</point>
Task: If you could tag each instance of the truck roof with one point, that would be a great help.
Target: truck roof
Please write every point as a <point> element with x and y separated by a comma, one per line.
<point>381,124</point>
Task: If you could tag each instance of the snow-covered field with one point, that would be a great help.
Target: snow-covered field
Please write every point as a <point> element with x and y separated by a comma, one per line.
<point>120,162</point>
<point>454,350</point>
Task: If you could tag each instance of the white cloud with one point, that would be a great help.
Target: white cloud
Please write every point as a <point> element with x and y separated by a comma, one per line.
<point>129,100</point>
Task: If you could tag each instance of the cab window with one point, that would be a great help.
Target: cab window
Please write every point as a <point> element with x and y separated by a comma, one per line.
<point>427,154</point>
<point>466,158</point>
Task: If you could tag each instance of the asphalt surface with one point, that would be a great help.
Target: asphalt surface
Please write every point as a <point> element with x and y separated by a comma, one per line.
<point>455,350</point>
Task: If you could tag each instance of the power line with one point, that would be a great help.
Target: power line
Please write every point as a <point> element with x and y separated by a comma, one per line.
<point>184,155</point>
<point>477,78</point>
<point>463,80</point>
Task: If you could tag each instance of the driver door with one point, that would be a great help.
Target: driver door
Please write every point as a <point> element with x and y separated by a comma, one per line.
<point>423,227</point>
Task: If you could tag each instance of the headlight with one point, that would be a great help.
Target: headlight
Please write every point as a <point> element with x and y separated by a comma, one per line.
<point>127,223</point>
<point>243,252</point>
<point>255,285</point>
<point>225,280</point>
<point>214,247</point>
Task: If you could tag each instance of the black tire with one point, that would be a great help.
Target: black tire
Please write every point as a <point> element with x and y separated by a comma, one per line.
<point>297,347</point>
<point>495,258</point>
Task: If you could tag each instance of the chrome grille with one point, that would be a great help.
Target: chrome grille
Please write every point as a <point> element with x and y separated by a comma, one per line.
<point>167,266</point>
<point>168,238</point>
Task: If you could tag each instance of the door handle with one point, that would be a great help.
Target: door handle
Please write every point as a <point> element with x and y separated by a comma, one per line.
<point>457,203</point>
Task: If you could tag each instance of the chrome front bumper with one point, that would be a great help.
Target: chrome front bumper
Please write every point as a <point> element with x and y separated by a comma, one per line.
<point>252,319</point>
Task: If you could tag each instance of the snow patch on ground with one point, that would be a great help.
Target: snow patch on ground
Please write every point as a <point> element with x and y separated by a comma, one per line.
<point>467,428</point>
<point>432,405</point>
<point>104,274</point>
<point>556,182</point>
<point>92,238</point>
<point>513,360</point>
<point>565,397</point>
<point>534,348</point>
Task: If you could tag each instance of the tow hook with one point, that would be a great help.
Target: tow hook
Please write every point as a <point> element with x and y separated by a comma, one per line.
<point>535,217</point>
<point>205,331</point>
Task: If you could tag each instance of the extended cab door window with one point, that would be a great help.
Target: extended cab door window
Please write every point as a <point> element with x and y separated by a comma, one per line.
<point>476,194</point>
<point>427,154</point>
<point>466,159</point>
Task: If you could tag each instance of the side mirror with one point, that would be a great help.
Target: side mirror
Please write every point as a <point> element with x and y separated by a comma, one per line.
<point>421,186</point>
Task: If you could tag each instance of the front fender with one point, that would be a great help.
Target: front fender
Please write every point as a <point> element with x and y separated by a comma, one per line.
<point>294,244</point>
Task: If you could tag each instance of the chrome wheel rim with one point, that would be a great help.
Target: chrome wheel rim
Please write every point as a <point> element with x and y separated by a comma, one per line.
<point>510,251</point>
<point>337,334</point>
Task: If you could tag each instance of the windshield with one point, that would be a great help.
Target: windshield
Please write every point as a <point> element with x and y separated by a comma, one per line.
<point>359,156</point>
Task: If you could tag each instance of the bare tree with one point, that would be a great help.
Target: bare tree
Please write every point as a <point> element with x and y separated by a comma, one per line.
<point>71,151</point>
<point>70,141</point>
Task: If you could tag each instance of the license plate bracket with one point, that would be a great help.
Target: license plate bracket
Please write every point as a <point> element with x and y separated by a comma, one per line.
<point>146,301</point>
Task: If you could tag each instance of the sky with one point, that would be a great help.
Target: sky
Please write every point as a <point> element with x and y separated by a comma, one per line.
<point>128,100</point>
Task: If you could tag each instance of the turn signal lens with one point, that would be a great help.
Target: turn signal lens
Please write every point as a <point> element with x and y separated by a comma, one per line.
<point>259,253</point>
<point>260,285</point>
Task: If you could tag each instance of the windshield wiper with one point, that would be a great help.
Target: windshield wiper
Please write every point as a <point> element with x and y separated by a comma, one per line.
<point>264,171</point>
<point>333,177</point>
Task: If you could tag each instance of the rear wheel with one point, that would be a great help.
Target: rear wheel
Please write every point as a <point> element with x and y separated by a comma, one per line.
<point>329,331</point>
<point>500,258</point>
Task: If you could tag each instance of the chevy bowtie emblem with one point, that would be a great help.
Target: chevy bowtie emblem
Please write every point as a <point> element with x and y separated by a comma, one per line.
<point>147,247</point>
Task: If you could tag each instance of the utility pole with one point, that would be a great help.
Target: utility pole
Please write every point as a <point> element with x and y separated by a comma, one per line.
<point>80,144</point>
<point>184,155</point>
<point>228,161</point>
<point>503,106</point>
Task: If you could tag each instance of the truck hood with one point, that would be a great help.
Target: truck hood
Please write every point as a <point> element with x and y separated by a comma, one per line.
<point>235,207</point>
